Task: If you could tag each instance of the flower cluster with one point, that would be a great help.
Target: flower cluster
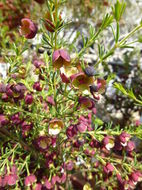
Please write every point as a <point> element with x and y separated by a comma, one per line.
<point>48,123</point>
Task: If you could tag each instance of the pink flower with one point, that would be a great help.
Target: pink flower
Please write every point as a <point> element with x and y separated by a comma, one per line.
<point>108,168</point>
<point>2,88</point>
<point>137,123</point>
<point>16,119</point>
<point>98,88</point>
<point>9,90</point>
<point>55,179</point>
<point>63,76</point>
<point>124,138</point>
<point>49,25</point>
<point>108,142</point>
<point>101,84</point>
<point>26,127</point>
<point>29,180</point>
<point>78,143</point>
<point>63,178</point>
<point>94,111</point>
<point>135,176</point>
<point>131,184</point>
<point>94,143</point>
<point>50,159</point>
<point>1,182</point>
<point>130,146</point>
<point>5,97</point>
<point>37,86</point>
<point>82,127</point>
<point>69,165</point>
<point>48,184</point>
<point>10,179</point>
<point>38,63</point>
<point>16,91</point>
<point>60,58</point>
<point>28,28</point>
<point>122,183</point>
<point>38,186</point>
<point>71,131</point>
<point>118,146</point>
<point>50,100</point>
<point>3,120</point>
<point>29,99</point>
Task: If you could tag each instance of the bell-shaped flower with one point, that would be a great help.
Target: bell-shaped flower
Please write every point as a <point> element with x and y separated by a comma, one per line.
<point>29,99</point>
<point>43,142</point>
<point>82,127</point>
<point>108,142</point>
<point>26,127</point>
<point>136,176</point>
<point>82,81</point>
<point>66,73</point>
<point>60,58</point>
<point>98,87</point>
<point>10,179</point>
<point>38,63</point>
<point>108,168</point>
<point>29,180</point>
<point>71,131</point>
<point>28,28</point>
<point>130,146</point>
<point>16,120</point>
<point>3,120</point>
<point>101,83</point>
<point>37,86</point>
<point>124,138</point>
<point>86,102</point>
<point>55,126</point>
<point>49,21</point>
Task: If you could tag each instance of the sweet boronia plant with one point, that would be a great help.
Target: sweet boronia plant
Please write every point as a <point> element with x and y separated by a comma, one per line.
<point>49,135</point>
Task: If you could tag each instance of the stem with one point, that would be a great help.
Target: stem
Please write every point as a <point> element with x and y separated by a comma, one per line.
<point>130,34</point>
<point>117,32</point>
<point>56,14</point>
<point>91,41</point>
<point>109,132</point>
<point>23,111</point>
<point>118,45</point>
<point>27,168</point>
<point>23,144</point>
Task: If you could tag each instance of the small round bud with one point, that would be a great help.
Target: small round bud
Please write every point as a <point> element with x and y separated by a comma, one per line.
<point>40,50</point>
<point>94,88</point>
<point>90,71</point>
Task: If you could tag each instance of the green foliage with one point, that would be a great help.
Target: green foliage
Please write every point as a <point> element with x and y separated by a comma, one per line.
<point>118,10</point>
<point>107,20</point>
<point>129,93</point>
